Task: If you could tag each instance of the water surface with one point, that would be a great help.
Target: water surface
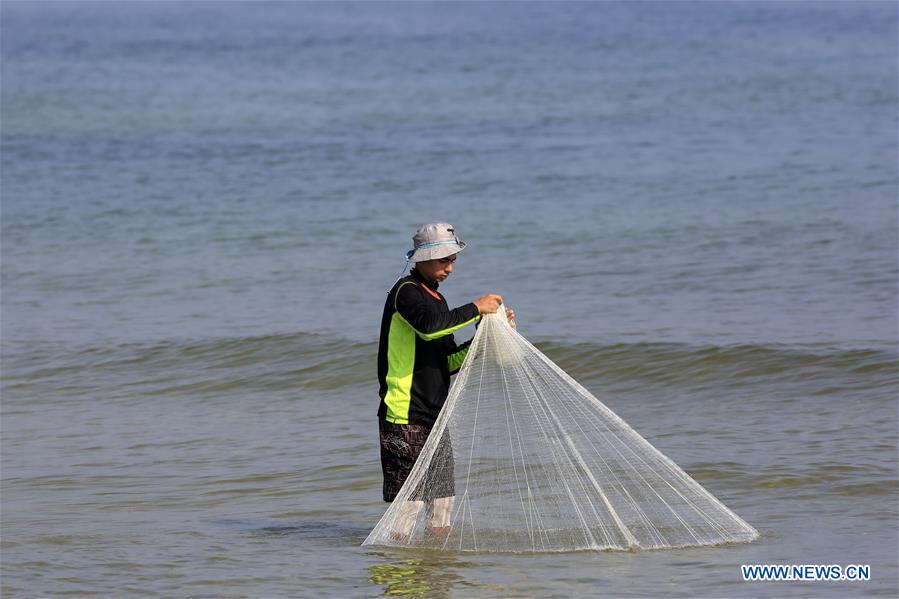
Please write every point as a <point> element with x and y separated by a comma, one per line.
<point>692,208</point>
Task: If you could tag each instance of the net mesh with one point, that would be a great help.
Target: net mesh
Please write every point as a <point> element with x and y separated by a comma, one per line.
<point>523,458</point>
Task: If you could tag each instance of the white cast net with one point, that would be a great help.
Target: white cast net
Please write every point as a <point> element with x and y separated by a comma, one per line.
<point>523,458</point>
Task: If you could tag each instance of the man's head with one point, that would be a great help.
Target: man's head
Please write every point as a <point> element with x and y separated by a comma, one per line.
<point>436,246</point>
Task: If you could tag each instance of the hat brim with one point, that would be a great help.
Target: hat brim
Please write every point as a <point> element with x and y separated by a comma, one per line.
<point>435,253</point>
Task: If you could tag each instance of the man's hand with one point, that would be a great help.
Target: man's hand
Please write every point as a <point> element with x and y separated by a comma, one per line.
<point>488,304</point>
<point>510,316</point>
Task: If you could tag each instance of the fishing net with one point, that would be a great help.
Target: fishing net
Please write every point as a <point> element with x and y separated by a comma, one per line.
<point>523,458</point>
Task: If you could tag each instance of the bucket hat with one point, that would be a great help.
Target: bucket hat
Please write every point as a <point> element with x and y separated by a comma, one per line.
<point>433,241</point>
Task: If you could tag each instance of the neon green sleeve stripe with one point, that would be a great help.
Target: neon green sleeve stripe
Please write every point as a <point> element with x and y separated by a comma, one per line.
<point>454,361</point>
<point>444,332</point>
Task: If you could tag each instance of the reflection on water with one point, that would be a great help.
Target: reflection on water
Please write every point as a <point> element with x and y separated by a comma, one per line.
<point>425,575</point>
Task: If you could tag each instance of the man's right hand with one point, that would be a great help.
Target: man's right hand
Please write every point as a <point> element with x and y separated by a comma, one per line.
<point>488,304</point>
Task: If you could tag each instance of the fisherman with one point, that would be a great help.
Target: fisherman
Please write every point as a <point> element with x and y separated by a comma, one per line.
<point>416,356</point>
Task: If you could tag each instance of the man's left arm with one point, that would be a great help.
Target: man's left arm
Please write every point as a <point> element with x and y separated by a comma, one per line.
<point>455,354</point>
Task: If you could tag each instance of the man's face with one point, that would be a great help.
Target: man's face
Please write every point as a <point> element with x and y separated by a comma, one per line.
<point>436,270</point>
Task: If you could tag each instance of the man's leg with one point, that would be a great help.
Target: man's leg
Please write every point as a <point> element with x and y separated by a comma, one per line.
<point>405,520</point>
<point>400,448</point>
<point>440,517</point>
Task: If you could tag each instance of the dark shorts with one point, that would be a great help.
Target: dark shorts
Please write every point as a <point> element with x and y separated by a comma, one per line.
<point>400,446</point>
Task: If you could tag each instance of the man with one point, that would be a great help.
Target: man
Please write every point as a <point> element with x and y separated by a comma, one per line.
<point>416,356</point>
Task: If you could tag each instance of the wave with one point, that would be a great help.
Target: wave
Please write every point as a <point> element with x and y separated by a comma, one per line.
<point>270,363</point>
<point>735,365</point>
<point>310,362</point>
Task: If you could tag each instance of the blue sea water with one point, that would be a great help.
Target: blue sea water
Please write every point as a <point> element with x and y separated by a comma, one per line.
<point>691,206</point>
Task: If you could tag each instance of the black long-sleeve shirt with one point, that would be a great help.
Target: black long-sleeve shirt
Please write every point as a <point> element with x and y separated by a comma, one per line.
<point>417,351</point>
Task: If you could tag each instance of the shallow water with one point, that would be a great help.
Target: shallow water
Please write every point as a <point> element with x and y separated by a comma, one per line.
<point>691,207</point>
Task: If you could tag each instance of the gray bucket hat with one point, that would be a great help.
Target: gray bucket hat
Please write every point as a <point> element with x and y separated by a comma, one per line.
<point>433,241</point>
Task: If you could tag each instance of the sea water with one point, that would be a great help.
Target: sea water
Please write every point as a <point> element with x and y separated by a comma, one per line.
<point>692,208</point>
